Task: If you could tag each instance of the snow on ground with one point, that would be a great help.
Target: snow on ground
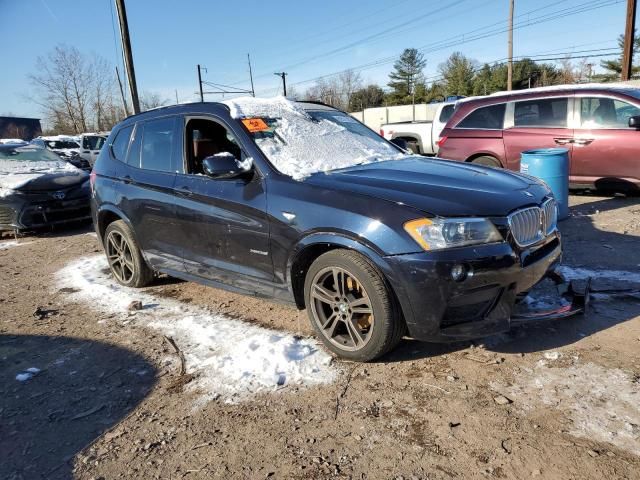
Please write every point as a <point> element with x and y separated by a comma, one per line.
<point>5,245</point>
<point>299,146</point>
<point>603,404</point>
<point>577,273</point>
<point>231,359</point>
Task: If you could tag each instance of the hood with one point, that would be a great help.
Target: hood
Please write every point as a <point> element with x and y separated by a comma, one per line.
<point>32,176</point>
<point>438,187</point>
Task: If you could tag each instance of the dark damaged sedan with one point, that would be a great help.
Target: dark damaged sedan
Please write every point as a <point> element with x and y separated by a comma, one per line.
<point>302,203</point>
<point>39,189</point>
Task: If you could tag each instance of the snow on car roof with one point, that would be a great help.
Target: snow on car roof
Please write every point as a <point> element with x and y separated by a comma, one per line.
<point>12,141</point>
<point>245,107</point>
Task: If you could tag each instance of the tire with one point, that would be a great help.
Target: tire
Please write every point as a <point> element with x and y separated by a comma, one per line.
<point>413,146</point>
<point>124,256</point>
<point>364,335</point>
<point>487,161</point>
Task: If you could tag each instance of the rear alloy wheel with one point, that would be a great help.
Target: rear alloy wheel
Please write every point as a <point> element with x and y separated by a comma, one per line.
<point>350,306</point>
<point>487,161</point>
<point>124,256</point>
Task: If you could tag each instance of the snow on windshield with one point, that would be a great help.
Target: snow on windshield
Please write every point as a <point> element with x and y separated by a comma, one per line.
<point>24,165</point>
<point>299,143</point>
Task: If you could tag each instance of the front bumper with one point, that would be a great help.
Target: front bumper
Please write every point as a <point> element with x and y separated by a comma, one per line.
<point>35,211</point>
<point>438,309</point>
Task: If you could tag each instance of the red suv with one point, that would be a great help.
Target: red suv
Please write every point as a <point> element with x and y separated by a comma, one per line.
<point>597,124</point>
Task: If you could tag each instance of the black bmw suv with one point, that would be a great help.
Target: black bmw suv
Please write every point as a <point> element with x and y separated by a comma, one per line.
<point>302,203</point>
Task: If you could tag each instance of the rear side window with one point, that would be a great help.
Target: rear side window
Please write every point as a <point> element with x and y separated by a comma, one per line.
<point>157,144</point>
<point>446,112</point>
<point>491,117</point>
<point>547,112</point>
<point>121,143</point>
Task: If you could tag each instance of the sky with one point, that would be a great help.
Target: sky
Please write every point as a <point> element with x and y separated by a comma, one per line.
<point>306,39</point>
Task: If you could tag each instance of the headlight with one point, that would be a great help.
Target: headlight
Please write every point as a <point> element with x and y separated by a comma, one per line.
<point>439,233</point>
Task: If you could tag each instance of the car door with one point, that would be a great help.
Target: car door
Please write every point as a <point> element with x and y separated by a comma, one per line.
<point>537,123</point>
<point>224,225</point>
<point>148,198</point>
<point>605,148</point>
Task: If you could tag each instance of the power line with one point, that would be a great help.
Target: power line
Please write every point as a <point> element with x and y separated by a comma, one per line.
<point>393,31</point>
<point>440,45</point>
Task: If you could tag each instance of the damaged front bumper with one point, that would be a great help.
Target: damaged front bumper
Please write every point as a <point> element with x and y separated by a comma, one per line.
<point>573,300</point>
<point>438,308</point>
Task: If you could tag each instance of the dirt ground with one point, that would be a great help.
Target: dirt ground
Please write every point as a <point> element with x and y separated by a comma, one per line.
<point>558,400</point>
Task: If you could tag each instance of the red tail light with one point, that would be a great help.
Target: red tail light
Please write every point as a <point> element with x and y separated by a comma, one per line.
<point>381,132</point>
<point>441,141</point>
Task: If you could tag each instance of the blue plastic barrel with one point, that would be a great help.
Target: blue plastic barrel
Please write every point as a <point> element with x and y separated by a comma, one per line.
<point>552,166</point>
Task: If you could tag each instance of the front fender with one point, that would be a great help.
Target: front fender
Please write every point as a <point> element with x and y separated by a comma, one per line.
<point>343,240</point>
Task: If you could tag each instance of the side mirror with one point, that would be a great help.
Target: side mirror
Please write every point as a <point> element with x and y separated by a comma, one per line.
<point>222,165</point>
<point>400,142</point>
<point>634,122</point>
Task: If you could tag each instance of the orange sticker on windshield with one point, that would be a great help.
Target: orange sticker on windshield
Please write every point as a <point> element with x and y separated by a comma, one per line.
<point>255,124</point>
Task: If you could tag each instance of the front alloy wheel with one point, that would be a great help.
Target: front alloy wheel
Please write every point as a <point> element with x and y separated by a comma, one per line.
<point>341,308</point>
<point>351,307</point>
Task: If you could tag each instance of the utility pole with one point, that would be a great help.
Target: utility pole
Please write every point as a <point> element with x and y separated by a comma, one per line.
<point>510,48</point>
<point>124,100</point>
<point>177,101</point>
<point>128,56</point>
<point>283,75</point>
<point>629,34</point>
<point>200,84</point>
<point>253,92</point>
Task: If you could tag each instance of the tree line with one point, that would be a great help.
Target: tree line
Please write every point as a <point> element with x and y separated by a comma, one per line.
<point>78,92</point>
<point>458,75</point>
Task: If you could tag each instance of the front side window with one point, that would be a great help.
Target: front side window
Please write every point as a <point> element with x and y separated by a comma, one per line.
<point>157,144</point>
<point>598,112</point>
<point>92,142</point>
<point>546,112</point>
<point>120,144</point>
<point>207,138</point>
<point>491,117</point>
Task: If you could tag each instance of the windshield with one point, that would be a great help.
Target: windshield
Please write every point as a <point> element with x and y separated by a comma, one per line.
<point>30,160</point>
<point>28,154</point>
<point>300,142</point>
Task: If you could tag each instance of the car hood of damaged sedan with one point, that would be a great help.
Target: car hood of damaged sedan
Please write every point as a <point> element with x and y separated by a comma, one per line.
<point>31,176</point>
<point>438,187</point>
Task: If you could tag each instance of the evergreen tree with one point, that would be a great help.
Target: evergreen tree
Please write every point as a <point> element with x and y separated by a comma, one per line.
<point>458,72</point>
<point>406,75</point>
<point>614,67</point>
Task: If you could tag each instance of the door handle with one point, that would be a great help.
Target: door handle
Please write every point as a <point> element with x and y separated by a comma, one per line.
<point>563,141</point>
<point>185,191</point>
<point>583,141</point>
<point>127,179</point>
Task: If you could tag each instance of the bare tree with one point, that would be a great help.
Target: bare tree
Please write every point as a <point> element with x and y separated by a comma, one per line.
<point>75,91</point>
<point>336,91</point>
<point>149,100</point>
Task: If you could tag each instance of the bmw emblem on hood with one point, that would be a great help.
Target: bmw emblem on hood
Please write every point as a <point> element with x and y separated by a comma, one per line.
<point>58,195</point>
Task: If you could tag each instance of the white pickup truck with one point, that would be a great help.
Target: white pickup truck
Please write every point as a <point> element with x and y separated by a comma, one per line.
<point>422,135</point>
